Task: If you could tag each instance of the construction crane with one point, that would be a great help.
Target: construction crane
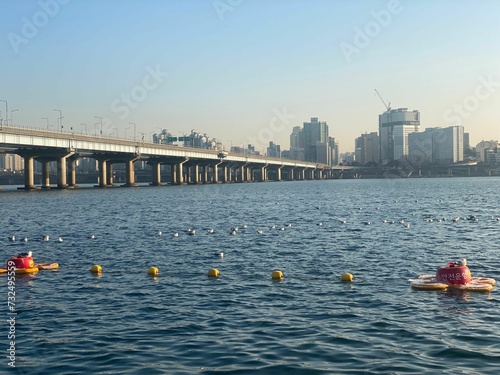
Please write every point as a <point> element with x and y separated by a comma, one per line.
<point>388,106</point>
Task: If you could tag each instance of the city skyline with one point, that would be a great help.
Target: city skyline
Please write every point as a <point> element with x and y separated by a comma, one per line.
<point>248,72</point>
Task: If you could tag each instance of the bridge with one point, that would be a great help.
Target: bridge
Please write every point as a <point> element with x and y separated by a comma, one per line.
<point>187,165</point>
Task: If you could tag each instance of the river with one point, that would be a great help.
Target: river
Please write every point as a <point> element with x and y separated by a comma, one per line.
<point>182,322</point>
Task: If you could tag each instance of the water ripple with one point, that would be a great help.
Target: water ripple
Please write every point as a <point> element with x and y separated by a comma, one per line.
<point>183,322</point>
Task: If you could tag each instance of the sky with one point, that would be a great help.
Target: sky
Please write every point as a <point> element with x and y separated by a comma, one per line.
<point>248,71</point>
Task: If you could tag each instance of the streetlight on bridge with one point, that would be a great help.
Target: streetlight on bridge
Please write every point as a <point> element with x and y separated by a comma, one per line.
<point>99,118</point>
<point>60,118</point>
<point>126,131</point>
<point>6,112</point>
<point>46,118</point>
<point>11,112</point>
<point>133,123</point>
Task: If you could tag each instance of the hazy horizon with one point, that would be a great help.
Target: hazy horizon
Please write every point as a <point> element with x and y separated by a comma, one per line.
<point>248,71</point>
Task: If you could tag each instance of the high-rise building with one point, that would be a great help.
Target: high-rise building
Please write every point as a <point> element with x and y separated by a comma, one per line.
<point>312,143</point>
<point>394,126</point>
<point>334,153</point>
<point>274,150</point>
<point>437,145</point>
<point>466,141</point>
<point>296,139</point>
<point>367,148</point>
<point>314,133</point>
<point>323,153</point>
<point>296,144</point>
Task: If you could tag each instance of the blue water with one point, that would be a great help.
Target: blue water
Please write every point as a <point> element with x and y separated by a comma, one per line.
<point>183,322</point>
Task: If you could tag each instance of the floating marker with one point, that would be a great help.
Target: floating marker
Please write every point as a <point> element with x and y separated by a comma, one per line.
<point>96,269</point>
<point>277,275</point>
<point>213,272</point>
<point>347,277</point>
<point>153,271</point>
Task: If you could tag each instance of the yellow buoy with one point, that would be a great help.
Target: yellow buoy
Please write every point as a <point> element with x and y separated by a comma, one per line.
<point>213,272</point>
<point>277,275</point>
<point>96,269</point>
<point>347,277</point>
<point>153,271</point>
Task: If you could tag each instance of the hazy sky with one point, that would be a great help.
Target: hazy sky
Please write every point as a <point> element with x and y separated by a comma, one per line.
<point>249,70</point>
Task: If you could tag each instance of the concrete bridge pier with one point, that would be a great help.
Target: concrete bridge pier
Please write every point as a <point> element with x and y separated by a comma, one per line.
<point>45,174</point>
<point>263,174</point>
<point>109,174</point>
<point>306,174</point>
<point>204,174</point>
<point>196,174</point>
<point>62,171</point>
<point>29,173</point>
<point>243,173</point>
<point>310,174</point>
<point>156,170</point>
<point>130,172</point>
<point>278,174</point>
<point>240,173</point>
<point>72,171</point>
<point>215,172</point>
<point>179,173</point>
<point>249,174</point>
<point>187,174</point>
<point>225,174</point>
<point>173,174</point>
<point>301,174</point>
<point>176,172</point>
<point>232,173</point>
<point>103,174</point>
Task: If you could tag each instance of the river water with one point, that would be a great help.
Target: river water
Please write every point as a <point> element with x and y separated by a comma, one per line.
<point>183,322</point>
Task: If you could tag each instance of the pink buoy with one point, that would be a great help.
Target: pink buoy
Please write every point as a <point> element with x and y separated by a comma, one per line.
<point>454,275</point>
<point>22,262</point>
